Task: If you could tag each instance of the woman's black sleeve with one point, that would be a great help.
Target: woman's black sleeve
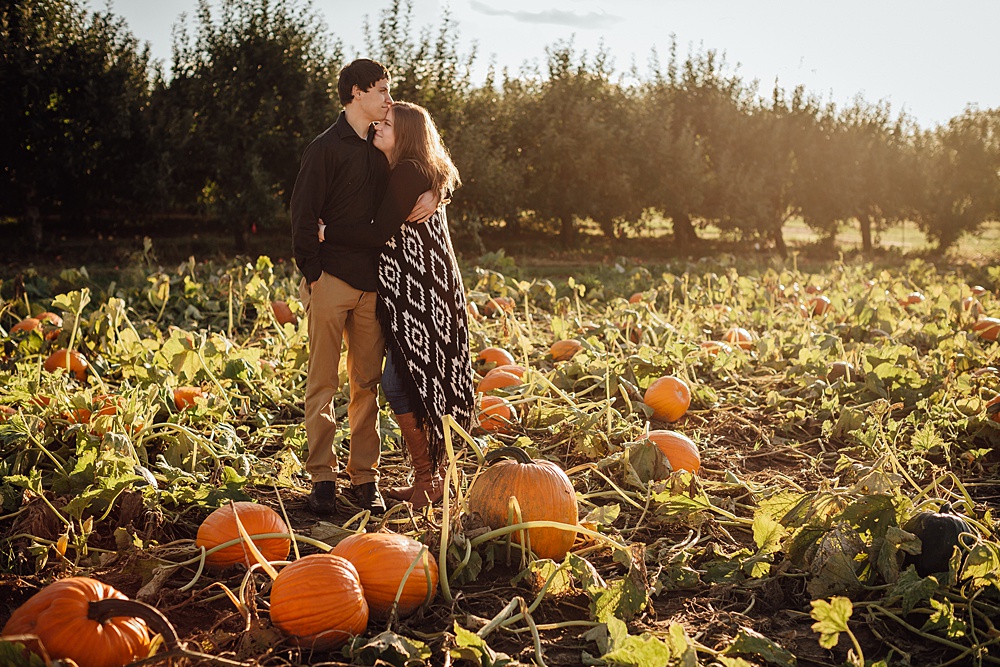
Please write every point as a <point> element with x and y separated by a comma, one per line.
<point>406,184</point>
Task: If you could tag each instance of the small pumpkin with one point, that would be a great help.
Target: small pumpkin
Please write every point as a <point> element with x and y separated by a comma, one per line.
<point>496,381</point>
<point>911,299</point>
<point>513,369</point>
<point>939,533</point>
<point>382,560</point>
<point>819,305</point>
<point>283,313</point>
<point>27,324</point>
<point>987,328</point>
<point>318,602</point>
<point>72,359</point>
<point>220,526</point>
<point>184,397</point>
<point>5,412</point>
<point>543,492</point>
<point>679,449</point>
<point>842,369</point>
<point>714,347</point>
<point>498,304</point>
<point>993,408</point>
<point>495,355</point>
<point>637,297</point>
<point>496,414</point>
<point>670,398</point>
<point>563,350</point>
<point>64,617</point>
<point>740,337</point>
<point>978,290</point>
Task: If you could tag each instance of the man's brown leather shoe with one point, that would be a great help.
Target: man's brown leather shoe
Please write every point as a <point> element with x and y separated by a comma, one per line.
<point>369,497</point>
<point>323,498</point>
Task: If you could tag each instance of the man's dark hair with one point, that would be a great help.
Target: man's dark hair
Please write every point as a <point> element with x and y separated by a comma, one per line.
<point>362,73</point>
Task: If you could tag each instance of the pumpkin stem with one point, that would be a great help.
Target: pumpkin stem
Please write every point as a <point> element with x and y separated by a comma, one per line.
<point>105,610</point>
<point>515,453</point>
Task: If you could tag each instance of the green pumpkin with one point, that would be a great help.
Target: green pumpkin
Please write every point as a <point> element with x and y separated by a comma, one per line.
<point>939,534</point>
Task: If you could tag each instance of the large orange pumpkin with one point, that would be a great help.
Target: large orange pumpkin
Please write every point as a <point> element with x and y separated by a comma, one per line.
<point>381,560</point>
<point>282,313</point>
<point>27,324</point>
<point>184,397</point>
<point>819,305</point>
<point>318,602</point>
<point>993,408</point>
<point>220,526</point>
<point>543,492</point>
<point>678,448</point>
<point>988,328</point>
<point>496,381</point>
<point>714,347</point>
<point>60,615</point>
<point>496,413</point>
<point>495,355</point>
<point>669,397</point>
<point>513,369</point>
<point>563,350</point>
<point>61,358</point>
<point>740,337</point>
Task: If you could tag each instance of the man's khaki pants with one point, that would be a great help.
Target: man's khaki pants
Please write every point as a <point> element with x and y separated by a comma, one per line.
<point>339,312</point>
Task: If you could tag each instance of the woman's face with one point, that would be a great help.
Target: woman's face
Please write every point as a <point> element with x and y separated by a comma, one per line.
<point>385,136</point>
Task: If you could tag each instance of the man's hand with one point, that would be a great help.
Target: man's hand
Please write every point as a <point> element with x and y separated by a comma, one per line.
<point>426,204</point>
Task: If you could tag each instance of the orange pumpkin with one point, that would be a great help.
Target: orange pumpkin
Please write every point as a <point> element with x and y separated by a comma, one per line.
<point>678,448</point>
<point>318,602</point>
<point>60,615</point>
<point>5,412</point>
<point>978,290</point>
<point>220,526</point>
<point>993,408</point>
<point>669,396</point>
<point>513,369</point>
<point>740,337</point>
<point>50,317</point>
<point>563,350</point>
<point>496,414</point>
<point>495,355</point>
<point>184,397</point>
<point>382,560</point>
<point>819,305</point>
<point>282,313</point>
<point>911,299</point>
<point>842,369</point>
<point>636,297</point>
<point>498,304</point>
<point>543,492</point>
<point>987,328</point>
<point>74,360</point>
<point>714,347</point>
<point>497,380</point>
<point>27,324</point>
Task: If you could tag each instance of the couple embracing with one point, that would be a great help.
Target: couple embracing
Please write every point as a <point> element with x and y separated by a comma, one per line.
<point>371,239</point>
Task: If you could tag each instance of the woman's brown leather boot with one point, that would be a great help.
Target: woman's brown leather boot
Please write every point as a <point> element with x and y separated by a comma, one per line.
<point>428,486</point>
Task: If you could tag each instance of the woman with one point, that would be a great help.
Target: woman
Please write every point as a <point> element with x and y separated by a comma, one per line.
<point>421,299</point>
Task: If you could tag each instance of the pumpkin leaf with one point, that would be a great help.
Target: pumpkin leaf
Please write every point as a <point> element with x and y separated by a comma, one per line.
<point>943,618</point>
<point>605,515</point>
<point>834,564</point>
<point>14,654</point>
<point>767,533</point>
<point>472,647</point>
<point>910,589</point>
<point>388,648</point>
<point>982,564</point>
<point>751,642</point>
<point>635,651</point>
<point>831,619</point>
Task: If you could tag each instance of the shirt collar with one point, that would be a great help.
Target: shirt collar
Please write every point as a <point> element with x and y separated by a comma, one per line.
<point>344,129</point>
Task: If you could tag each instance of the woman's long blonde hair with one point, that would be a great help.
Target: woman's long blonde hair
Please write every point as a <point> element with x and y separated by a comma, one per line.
<point>418,140</point>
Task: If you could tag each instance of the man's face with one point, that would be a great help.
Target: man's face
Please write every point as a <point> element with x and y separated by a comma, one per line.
<point>374,102</point>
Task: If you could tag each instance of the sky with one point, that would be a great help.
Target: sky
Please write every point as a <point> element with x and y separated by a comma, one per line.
<point>927,58</point>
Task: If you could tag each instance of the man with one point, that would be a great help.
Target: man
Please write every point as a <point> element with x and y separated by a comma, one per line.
<point>341,179</point>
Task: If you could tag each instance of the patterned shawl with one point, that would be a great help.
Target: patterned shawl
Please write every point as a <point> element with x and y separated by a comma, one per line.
<point>422,310</point>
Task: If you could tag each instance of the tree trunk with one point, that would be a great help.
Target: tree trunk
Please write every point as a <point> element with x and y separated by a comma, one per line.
<point>240,238</point>
<point>865,222</point>
<point>779,242</point>
<point>684,234</point>
<point>567,232</point>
